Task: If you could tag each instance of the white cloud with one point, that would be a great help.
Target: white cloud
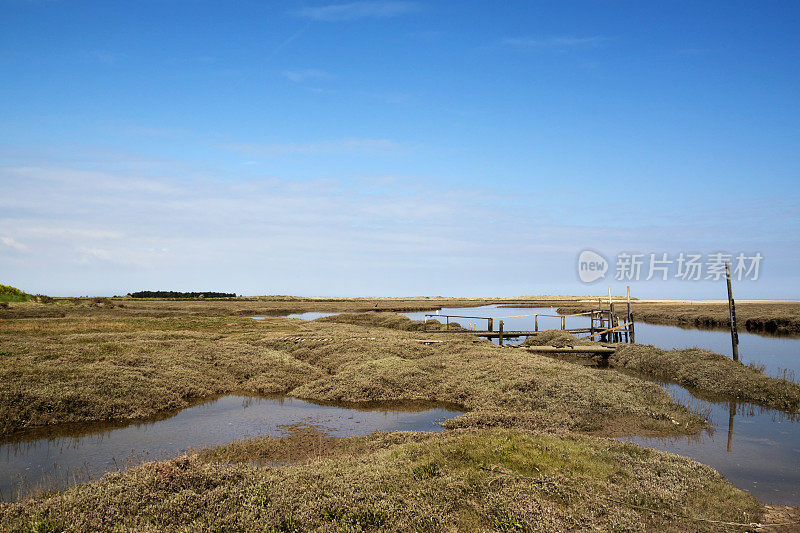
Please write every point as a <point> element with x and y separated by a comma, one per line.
<point>554,42</point>
<point>11,243</point>
<point>358,10</point>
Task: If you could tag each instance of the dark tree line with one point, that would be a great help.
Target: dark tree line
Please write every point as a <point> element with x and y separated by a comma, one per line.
<point>176,294</point>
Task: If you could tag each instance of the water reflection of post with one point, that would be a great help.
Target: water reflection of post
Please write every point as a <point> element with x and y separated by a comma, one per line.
<point>732,410</point>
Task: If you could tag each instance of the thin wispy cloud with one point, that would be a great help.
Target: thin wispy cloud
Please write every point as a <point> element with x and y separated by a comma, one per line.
<point>309,74</point>
<point>336,146</point>
<point>11,243</point>
<point>554,42</point>
<point>358,10</point>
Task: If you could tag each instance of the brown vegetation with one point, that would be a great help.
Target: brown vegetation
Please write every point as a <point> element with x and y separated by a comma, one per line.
<point>778,318</point>
<point>119,364</point>
<point>476,480</point>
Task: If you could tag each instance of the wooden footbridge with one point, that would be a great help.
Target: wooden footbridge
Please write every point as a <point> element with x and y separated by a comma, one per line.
<point>605,324</point>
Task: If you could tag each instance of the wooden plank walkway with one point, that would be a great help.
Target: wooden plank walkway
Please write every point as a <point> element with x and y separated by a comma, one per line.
<point>495,334</point>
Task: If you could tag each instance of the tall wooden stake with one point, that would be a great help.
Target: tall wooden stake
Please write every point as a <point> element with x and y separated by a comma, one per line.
<point>500,334</point>
<point>732,309</point>
<point>628,328</point>
<point>732,411</point>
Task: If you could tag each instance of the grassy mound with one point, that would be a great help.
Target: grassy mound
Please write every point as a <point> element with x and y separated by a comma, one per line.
<point>709,373</point>
<point>389,320</point>
<point>114,364</point>
<point>554,337</point>
<point>13,294</point>
<point>465,480</point>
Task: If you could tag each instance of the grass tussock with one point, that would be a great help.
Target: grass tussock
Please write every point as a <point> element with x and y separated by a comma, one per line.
<point>499,480</point>
<point>709,373</point>
<point>116,364</point>
<point>391,321</point>
<point>555,337</point>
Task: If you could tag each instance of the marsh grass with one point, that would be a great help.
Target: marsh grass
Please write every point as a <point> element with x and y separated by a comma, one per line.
<point>475,480</point>
<point>774,318</point>
<point>711,374</point>
<point>102,363</point>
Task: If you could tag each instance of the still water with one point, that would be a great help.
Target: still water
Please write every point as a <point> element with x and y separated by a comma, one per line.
<point>775,353</point>
<point>311,315</point>
<point>62,456</point>
<point>757,449</point>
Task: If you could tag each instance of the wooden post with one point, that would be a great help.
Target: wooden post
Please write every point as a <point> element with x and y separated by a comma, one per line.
<point>633,331</point>
<point>490,324</point>
<point>500,336</point>
<point>628,330</point>
<point>732,412</point>
<point>536,323</point>
<point>448,323</point>
<point>611,319</point>
<point>563,322</point>
<point>732,309</point>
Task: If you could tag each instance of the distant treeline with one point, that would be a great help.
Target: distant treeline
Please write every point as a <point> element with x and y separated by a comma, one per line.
<point>176,294</point>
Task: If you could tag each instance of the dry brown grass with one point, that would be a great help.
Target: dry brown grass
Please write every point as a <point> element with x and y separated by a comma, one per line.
<point>777,318</point>
<point>710,374</point>
<point>103,362</point>
<point>113,364</point>
<point>484,480</point>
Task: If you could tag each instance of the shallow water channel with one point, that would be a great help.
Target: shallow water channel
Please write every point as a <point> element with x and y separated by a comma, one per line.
<point>62,456</point>
<point>757,449</point>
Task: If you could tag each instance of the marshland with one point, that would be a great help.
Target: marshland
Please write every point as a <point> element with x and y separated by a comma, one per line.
<point>399,265</point>
<point>504,438</point>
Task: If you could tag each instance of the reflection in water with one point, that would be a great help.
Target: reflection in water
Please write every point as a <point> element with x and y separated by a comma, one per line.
<point>56,458</point>
<point>761,452</point>
<point>732,411</point>
<point>779,355</point>
<point>761,449</point>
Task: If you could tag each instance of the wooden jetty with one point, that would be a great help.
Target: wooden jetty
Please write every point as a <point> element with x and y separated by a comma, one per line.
<point>605,324</point>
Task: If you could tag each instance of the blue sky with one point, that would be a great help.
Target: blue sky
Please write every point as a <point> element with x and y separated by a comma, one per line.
<point>394,147</point>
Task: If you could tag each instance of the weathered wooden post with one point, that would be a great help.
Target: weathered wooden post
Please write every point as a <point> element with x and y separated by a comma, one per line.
<point>563,322</point>
<point>490,324</point>
<point>732,309</point>
<point>610,316</point>
<point>500,334</point>
<point>732,411</point>
<point>447,326</point>
<point>633,331</point>
<point>628,329</point>
<point>536,323</point>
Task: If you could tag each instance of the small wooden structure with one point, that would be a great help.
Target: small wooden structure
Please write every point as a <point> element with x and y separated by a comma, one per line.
<point>605,324</point>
